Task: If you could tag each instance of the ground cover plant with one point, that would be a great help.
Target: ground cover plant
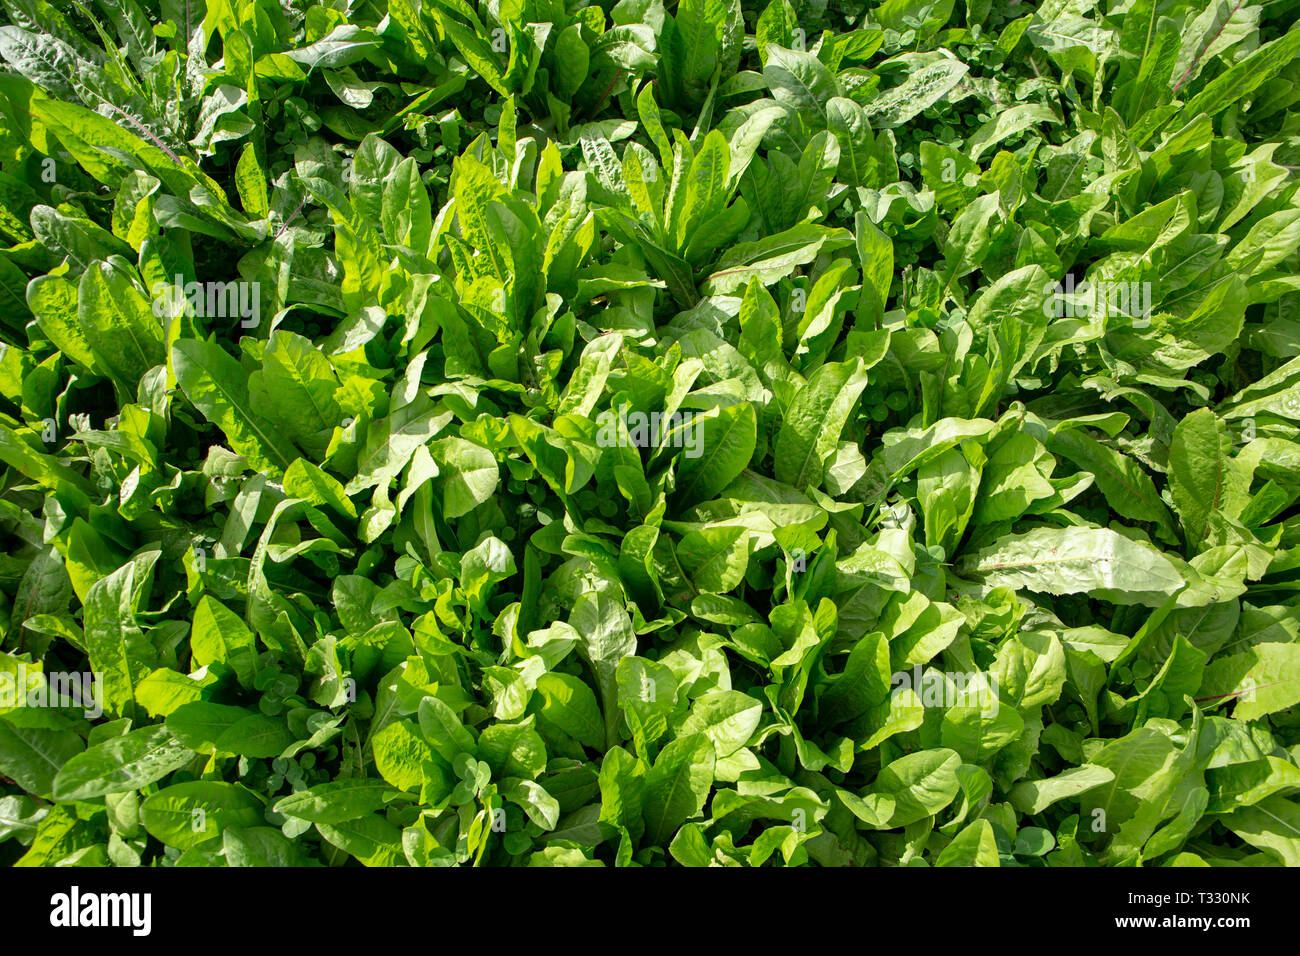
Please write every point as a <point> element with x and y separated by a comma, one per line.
<point>663,432</point>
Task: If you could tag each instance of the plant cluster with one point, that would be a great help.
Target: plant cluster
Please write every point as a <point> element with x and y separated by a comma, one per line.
<point>652,432</point>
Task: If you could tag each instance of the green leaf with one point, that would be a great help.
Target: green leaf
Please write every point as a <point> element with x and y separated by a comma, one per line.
<point>771,258</point>
<point>120,764</point>
<point>1273,826</point>
<point>1035,796</point>
<point>186,815</point>
<point>218,387</point>
<point>715,558</point>
<point>371,839</point>
<point>119,326</point>
<point>32,756</point>
<point>335,802</point>
<point>647,695</point>
<point>1077,561</point>
<point>400,754</point>
<point>443,730</point>
<point>722,446</point>
<point>295,391</point>
<point>920,784</point>
<point>220,637</point>
<point>569,704</point>
<point>921,90</point>
<point>974,846</point>
<point>469,475</point>
<point>606,637</point>
<point>118,648</point>
<point>676,786</point>
<point>727,717</point>
<point>1202,478</point>
<point>799,80</point>
<point>812,426</point>
<point>224,729</point>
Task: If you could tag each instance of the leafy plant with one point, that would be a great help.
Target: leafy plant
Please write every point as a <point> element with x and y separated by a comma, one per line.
<point>649,433</point>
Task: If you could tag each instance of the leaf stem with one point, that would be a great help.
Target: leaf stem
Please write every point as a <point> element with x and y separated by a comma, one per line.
<point>1204,49</point>
<point>147,132</point>
<point>291,217</point>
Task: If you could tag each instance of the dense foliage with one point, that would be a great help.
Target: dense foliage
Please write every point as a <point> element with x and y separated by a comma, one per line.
<point>663,432</point>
